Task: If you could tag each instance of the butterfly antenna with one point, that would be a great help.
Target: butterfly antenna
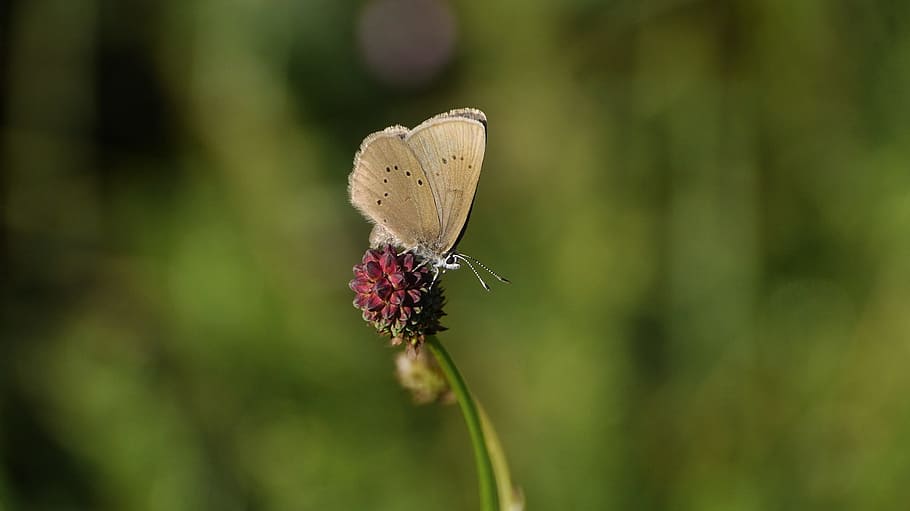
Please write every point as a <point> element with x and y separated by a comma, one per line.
<point>471,266</point>
<point>491,272</point>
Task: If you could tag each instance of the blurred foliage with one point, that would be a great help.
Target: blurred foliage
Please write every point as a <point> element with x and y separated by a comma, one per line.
<point>704,207</point>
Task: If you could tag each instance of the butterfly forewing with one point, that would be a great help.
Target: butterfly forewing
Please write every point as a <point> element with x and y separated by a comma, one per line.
<point>391,189</point>
<point>450,148</point>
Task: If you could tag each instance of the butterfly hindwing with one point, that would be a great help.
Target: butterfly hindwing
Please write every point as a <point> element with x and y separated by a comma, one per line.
<point>389,186</point>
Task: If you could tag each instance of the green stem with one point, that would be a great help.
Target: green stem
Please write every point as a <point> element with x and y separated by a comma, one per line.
<point>508,498</point>
<point>472,416</point>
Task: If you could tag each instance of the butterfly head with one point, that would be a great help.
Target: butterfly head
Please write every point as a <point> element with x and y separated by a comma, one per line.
<point>449,262</point>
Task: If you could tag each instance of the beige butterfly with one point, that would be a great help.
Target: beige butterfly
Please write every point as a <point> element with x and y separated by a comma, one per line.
<point>417,186</point>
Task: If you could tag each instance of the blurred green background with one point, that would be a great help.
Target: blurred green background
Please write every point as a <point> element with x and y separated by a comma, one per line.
<point>704,207</point>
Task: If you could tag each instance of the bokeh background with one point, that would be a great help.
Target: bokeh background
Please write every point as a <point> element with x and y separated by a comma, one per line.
<point>703,205</point>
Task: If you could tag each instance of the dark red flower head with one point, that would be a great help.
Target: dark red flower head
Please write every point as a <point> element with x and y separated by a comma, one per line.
<point>397,295</point>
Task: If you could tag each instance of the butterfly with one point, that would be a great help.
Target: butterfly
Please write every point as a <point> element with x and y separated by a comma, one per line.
<point>417,186</point>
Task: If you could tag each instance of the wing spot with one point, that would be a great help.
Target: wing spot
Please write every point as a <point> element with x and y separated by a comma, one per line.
<point>462,158</point>
<point>396,167</point>
<point>455,157</point>
<point>444,161</point>
<point>388,169</point>
<point>469,165</point>
<point>379,202</point>
<point>407,173</point>
<point>386,194</point>
<point>419,182</point>
<point>384,180</point>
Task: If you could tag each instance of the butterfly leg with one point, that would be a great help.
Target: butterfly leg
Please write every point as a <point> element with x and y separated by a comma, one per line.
<point>423,260</point>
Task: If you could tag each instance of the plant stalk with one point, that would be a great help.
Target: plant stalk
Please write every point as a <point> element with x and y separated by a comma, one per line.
<point>489,499</point>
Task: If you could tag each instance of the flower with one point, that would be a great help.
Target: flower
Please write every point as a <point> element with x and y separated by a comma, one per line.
<point>421,375</point>
<point>398,296</point>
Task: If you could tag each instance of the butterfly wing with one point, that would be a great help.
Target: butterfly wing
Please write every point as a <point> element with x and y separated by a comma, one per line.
<point>450,149</point>
<point>389,187</point>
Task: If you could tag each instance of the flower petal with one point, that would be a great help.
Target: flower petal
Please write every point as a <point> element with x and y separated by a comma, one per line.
<point>374,302</point>
<point>388,263</point>
<point>361,301</point>
<point>398,280</point>
<point>361,286</point>
<point>373,270</point>
<point>371,255</point>
<point>389,311</point>
<point>408,262</point>
<point>421,275</point>
<point>383,289</point>
<point>397,297</point>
